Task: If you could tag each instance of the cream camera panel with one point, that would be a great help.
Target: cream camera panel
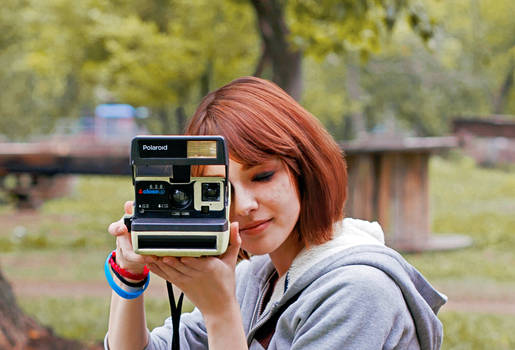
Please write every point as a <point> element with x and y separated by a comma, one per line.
<point>208,191</point>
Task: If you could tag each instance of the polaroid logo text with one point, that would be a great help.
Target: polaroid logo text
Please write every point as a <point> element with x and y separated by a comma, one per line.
<point>155,148</point>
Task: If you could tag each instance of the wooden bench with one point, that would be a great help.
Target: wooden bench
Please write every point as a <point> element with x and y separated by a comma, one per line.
<point>388,183</point>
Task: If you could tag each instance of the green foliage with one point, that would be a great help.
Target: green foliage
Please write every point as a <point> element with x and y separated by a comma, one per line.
<point>61,58</point>
<point>162,65</point>
<point>418,87</point>
<point>335,26</point>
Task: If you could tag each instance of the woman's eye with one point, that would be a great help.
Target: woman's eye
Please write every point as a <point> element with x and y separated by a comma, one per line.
<point>265,176</point>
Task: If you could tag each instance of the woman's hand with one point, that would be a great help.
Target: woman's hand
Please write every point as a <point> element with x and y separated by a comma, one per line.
<point>126,258</point>
<point>209,282</point>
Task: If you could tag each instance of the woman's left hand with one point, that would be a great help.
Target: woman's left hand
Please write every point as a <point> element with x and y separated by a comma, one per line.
<point>209,282</point>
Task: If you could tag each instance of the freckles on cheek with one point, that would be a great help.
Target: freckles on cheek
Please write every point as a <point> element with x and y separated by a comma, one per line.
<point>277,193</point>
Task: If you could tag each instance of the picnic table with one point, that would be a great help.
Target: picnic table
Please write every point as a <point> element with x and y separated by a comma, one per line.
<point>389,183</point>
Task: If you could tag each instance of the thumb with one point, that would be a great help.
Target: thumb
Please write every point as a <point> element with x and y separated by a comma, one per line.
<point>128,207</point>
<point>231,254</point>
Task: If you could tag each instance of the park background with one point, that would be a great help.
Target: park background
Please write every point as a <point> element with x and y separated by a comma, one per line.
<point>394,68</point>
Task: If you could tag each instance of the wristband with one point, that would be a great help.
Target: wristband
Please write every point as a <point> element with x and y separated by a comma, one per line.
<point>125,273</point>
<point>139,284</point>
<point>122,293</point>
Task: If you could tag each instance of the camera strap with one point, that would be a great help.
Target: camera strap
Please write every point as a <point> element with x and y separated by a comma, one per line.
<point>175,311</point>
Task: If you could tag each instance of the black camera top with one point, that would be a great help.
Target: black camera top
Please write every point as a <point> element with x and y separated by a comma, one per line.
<point>161,174</point>
<point>178,150</point>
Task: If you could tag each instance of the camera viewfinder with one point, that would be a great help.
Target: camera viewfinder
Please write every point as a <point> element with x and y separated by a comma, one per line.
<point>210,192</point>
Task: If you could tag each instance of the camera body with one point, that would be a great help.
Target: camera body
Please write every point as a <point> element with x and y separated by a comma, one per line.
<point>176,214</point>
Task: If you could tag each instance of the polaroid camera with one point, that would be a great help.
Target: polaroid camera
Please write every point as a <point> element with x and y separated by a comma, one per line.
<point>176,214</point>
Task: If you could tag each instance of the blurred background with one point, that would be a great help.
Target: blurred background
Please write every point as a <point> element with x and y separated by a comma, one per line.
<point>420,94</point>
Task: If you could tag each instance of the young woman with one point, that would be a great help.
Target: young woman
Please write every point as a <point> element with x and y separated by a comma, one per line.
<point>314,279</point>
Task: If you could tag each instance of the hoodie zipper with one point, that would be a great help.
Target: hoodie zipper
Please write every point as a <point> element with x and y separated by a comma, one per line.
<point>258,319</point>
<point>259,323</point>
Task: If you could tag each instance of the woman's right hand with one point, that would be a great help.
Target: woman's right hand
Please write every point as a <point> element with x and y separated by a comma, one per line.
<point>126,258</point>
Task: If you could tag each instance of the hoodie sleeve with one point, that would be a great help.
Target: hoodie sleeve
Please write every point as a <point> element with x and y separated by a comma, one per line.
<point>352,307</point>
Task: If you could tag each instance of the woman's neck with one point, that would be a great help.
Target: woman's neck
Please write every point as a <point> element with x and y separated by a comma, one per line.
<point>283,256</point>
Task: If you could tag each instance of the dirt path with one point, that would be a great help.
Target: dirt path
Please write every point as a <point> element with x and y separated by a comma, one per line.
<point>457,302</point>
<point>23,288</point>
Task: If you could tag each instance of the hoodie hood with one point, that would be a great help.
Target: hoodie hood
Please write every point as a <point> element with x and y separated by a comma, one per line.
<point>347,233</point>
<point>358,242</point>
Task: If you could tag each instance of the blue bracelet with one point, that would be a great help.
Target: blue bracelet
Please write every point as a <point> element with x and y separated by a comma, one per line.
<point>124,294</point>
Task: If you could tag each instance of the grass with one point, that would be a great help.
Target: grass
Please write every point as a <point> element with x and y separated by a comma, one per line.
<point>68,242</point>
<point>85,318</point>
<point>480,203</point>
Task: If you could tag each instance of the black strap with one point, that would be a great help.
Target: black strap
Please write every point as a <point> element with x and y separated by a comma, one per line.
<point>175,310</point>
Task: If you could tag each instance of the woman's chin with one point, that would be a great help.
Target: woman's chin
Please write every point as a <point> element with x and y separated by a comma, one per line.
<point>256,249</point>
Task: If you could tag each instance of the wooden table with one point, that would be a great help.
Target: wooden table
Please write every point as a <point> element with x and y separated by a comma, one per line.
<point>388,183</point>
<point>41,170</point>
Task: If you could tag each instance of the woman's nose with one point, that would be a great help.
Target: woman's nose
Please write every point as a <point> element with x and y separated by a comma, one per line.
<point>244,201</point>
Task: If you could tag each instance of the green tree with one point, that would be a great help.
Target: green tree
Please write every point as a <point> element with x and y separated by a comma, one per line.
<point>166,53</point>
<point>417,87</point>
<point>487,36</point>
<point>168,66</point>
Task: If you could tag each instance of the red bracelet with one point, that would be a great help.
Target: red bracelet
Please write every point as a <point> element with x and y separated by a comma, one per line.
<point>125,273</point>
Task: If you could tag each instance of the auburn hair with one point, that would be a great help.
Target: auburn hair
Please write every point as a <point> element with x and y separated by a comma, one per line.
<point>259,120</point>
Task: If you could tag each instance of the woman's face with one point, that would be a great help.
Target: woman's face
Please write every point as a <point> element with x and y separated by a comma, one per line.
<point>265,202</point>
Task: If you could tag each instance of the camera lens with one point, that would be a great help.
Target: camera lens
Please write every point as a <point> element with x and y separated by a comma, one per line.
<point>180,198</point>
<point>210,192</point>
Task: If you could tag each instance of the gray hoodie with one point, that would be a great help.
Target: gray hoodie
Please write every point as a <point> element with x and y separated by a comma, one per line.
<point>349,293</point>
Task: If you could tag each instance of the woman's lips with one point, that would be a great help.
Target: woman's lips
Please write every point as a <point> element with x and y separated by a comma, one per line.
<point>255,227</point>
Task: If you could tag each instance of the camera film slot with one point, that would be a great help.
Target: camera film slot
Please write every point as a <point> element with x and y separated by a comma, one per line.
<point>177,242</point>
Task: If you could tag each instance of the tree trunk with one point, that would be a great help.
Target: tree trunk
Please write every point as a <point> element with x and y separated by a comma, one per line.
<point>162,114</point>
<point>181,118</point>
<point>18,331</point>
<point>355,92</point>
<point>504,91</point>
<point>286,61</point>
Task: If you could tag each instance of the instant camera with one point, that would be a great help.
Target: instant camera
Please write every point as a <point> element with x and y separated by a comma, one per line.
<point>175,213</point>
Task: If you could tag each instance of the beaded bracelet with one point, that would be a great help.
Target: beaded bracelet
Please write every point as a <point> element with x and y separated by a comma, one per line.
<point>122,293</point>
<point>125,273</point>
